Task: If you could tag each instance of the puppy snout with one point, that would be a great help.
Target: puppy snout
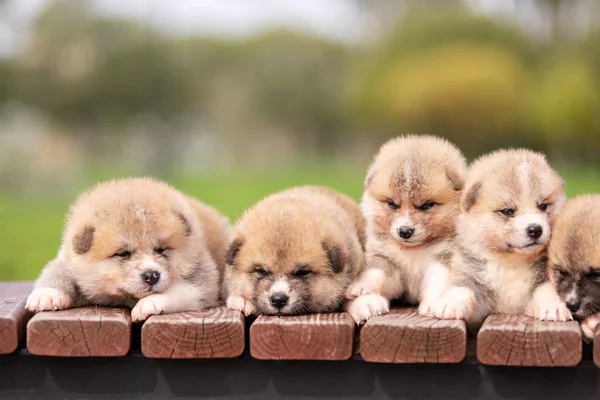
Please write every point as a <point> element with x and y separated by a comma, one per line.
<point>151,277</point>
<point>573,304</point>
<point>534,231</point>
<point>405,232</point>
<point>279,300</point>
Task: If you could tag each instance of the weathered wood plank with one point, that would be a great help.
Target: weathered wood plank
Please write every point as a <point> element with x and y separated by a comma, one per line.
<point>307,337</point>
<point>212,333</point>
<point>80,332</point>
<point>519,340</point>
<point>403,336</point>
<point>13,316</point>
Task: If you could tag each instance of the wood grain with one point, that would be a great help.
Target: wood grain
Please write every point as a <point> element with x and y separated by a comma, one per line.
<point>402,336</point>
<point>305,337</point>
<point>13,316</point>
<point>212,333</point>
<point>519,340</point>
<point>80,332</point>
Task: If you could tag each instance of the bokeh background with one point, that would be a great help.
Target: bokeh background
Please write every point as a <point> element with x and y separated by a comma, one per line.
<point>232,100</point>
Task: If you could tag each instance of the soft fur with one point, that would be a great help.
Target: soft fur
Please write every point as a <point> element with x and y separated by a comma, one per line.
<point>303,245</point>
<point>124,228</point>
<point>574,260</point>
<point>500,267</point>
<point>411,202</point>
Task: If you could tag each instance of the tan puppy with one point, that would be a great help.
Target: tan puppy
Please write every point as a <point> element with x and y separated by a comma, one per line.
<point>574,260</point>
<point>510,202</point>
<point>295,252</point>
<point>136,243</point>
<point>410,203</point>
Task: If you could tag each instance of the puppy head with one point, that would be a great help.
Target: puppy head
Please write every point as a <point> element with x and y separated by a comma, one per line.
<point>412,190</point>
<point>510,202</point>
<point>574,255</point>
<point>128,239</point>
<point>287,263</point>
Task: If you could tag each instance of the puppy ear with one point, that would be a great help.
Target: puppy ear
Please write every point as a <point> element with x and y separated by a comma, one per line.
<point>369,178</point>
<point>186,224</point>
<point>232,252</point>
<point>82,241</point>
<point>336,257</point>
<point>470,198</point>
<point>456,181</point>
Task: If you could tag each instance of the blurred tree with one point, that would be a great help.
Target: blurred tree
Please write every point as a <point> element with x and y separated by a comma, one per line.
<point>451,74</point>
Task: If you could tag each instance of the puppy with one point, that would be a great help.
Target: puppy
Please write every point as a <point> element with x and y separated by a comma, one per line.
<point>295,252</point>
<point>137,243</point>
<point>410,203</point>
<point>509,205</point>
<point>574,260</point>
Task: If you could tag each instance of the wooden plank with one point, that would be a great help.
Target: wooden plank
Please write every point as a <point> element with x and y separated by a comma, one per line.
<point>403,336</point>
<point>212,333</point>
<point>13,316</point>
<point>306,337</point>
<point>80,332</point>
<point>519,340</point>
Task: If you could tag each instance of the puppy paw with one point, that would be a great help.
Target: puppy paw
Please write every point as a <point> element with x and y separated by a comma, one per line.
<point>238,303</point>
<point>458,303</point>
<point>155,304</point>
<point>552,312</point>
<point>47,299</point>
<point>364,307</point>
<point>369,283</point>
<point>588,326</point>
<point>426,309</point>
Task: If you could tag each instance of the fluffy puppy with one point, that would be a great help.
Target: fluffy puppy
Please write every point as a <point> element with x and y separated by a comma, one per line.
<point>295,252</point>
<point>410,203</point>
<point>510,202</point>
<point>574,260</point>
<point>136,243</point>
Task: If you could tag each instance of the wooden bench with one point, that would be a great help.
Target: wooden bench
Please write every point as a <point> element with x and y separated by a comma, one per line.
<point>398,341</point>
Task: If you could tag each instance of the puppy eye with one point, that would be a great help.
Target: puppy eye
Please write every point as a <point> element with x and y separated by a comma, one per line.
<point>508,212</point>
<point>543,207</point>
<point>260,271</point>
<point>302,273</point>
<point>562,273</point>
<point>160,250</point>
<point>427,206</point>
<point>391,204</point>
<point>123,254</point>
<point>595,275</point>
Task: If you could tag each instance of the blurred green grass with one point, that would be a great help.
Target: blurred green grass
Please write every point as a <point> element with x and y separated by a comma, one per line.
<point>32,225</point>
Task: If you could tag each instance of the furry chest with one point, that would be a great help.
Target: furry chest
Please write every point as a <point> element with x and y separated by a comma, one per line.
<point>417,272</point>
<point>511,285</point>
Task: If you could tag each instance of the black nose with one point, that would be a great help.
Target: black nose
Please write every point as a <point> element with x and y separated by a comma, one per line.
<point>279,300</point>
<point>405,232</point>
<point>573,305</point>
<point>534,231</point>
<point>151,277</point>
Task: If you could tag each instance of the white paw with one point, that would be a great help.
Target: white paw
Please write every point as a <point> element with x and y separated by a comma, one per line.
<point>238,303</point>
<point>588,326</point>
<point>426,309</point>
<point>553,312</point>
<point>154,304</point>
<point>457,303</point>
<point>369,283</point>
<point>47,299</point>
<point>364,307</point>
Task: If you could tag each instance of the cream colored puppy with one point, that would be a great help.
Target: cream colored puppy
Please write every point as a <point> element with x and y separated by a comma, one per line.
<point>510,202</point>
<point>136,243</point>
<point>295,252</point>
<point>410,203</point>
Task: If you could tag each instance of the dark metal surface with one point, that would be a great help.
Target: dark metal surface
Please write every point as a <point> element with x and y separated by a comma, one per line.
<point>23,376</point>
